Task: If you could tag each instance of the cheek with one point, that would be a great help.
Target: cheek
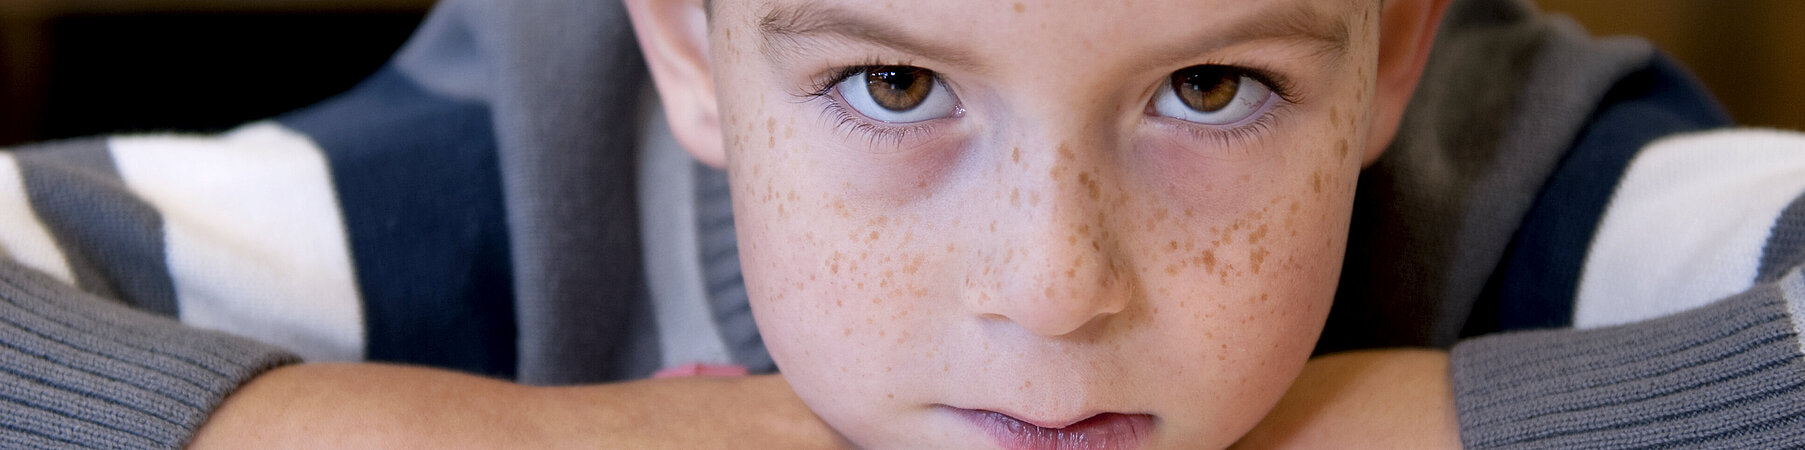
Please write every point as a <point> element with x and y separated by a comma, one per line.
<point>1237,278</point>
<point>838,287</point>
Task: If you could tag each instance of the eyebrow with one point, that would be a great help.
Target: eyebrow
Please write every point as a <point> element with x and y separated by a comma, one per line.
<point>783,27</point>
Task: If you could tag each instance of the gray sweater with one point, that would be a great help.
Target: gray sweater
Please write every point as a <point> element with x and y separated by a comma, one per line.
<point>501,199</point>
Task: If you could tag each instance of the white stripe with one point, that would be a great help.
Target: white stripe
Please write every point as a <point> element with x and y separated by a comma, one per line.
<point>1792,286</point>
<point>1688,224</point>
<point>667,193</point>
<point>23,237</point>
<point>254,240</point>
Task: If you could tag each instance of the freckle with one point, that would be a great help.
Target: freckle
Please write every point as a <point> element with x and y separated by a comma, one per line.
<point>1316,182</point>
<point>889,396</point>
<point>1065,152</point>
<point>1334,115</point>
<point>1034,198</point>
<point>1016,154</point>
<point>993,226</point>
<point>1049,292</point>
<point>1172,269</point>
<point>1190,213</point>
<point>847,333</point>
<point>1015,197</point>
<point>771,125</point>
<point>1019,8</point>
<point>951,249</point>
<point>1209,260</point>
<point>873,236</point>
<point>1257,257</point>
<point>1341,150</point>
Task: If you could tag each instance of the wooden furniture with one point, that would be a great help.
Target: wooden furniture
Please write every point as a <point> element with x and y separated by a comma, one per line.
<point>26,46</point>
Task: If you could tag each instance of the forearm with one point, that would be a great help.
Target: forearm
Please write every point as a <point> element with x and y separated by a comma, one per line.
<point>362,406</point>
<point>1396,398</point>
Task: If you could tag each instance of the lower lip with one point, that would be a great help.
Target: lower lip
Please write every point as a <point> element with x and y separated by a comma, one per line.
<point>1102,431</point>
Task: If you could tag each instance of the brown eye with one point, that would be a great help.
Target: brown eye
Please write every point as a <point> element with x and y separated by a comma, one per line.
<point>1212,95</point>
<point>899,88</point>
<point>1206,88</point>
<point>897,94</point>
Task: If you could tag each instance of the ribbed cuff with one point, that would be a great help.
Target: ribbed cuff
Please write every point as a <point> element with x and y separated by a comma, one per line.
<point>1730,374</point>
<point>81,371</point>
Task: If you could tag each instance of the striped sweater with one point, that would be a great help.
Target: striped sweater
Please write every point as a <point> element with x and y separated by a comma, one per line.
<point>503,199</point>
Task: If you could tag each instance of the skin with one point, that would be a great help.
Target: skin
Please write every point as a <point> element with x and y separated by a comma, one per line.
<point>1054,251</point>
<point>1132,268</point>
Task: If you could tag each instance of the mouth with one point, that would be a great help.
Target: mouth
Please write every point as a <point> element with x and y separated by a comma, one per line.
<point>1101,431</point>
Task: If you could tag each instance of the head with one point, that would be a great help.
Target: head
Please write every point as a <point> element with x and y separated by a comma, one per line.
<point>960,218</point>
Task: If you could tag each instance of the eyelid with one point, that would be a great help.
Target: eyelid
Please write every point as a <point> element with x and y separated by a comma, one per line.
<point>1241,134</point>
<point>825,88</point>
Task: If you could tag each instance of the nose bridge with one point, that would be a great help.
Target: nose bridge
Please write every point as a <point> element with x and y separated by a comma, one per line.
<point>1054,270</point>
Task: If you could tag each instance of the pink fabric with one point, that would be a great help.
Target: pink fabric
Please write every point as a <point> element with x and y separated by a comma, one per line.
<point>701,370</point>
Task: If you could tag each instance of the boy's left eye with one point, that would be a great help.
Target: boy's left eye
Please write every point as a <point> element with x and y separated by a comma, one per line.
<point>897,94</point>
<point>1212,95</point>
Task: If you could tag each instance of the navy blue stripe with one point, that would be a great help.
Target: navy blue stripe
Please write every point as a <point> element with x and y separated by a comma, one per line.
<point>112,240</point>
<point>420,189</point>
<point>1540,278</point>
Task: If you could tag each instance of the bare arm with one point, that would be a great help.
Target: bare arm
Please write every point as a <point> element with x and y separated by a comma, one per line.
<point>1394,399</point>
<point>367,405</point>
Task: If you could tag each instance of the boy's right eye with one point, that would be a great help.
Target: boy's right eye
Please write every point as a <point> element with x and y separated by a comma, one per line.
<point>897,94</point>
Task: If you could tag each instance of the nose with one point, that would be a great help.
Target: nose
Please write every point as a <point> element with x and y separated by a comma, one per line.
<point>1053,269</point>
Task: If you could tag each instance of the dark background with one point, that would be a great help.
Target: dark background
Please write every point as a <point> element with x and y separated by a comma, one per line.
<point>80,67</point>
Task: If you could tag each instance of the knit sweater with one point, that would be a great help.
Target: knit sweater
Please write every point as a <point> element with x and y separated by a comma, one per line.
<point>503,199</point>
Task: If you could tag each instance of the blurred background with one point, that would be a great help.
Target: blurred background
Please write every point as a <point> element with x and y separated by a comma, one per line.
<point>80,67</point>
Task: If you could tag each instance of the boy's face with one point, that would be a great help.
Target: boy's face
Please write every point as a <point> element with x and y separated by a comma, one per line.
<point>970,223</point>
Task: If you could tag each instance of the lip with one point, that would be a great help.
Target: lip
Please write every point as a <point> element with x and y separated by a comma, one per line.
<point>1100,431</point>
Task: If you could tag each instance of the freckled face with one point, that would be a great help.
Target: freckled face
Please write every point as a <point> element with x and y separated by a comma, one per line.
<point>1048,210</point>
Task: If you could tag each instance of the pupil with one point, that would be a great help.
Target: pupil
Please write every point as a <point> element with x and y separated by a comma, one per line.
<point>897,80</point>
<point>1206,89</point>
<point>899,88</point>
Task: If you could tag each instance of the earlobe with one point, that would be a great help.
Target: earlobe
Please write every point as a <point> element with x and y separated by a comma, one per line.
<point>673,35</point>
<point>1406,35</point>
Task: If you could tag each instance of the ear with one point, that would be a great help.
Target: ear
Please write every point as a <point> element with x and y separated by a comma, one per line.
<point>1406,34</point>
<point>673,35</point>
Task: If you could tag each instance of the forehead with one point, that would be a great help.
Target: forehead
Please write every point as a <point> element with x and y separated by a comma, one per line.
<point>964,31</point>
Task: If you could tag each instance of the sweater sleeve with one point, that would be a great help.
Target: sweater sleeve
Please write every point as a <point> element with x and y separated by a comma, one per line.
<point>78,370</point>
<point>143,279</point>
<point>1686,321</point>
<point>1727,375</point>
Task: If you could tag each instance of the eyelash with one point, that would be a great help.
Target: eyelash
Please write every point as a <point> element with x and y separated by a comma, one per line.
<point>1227,137</point>
<point>852,123</point>
<point>1239,136</point>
